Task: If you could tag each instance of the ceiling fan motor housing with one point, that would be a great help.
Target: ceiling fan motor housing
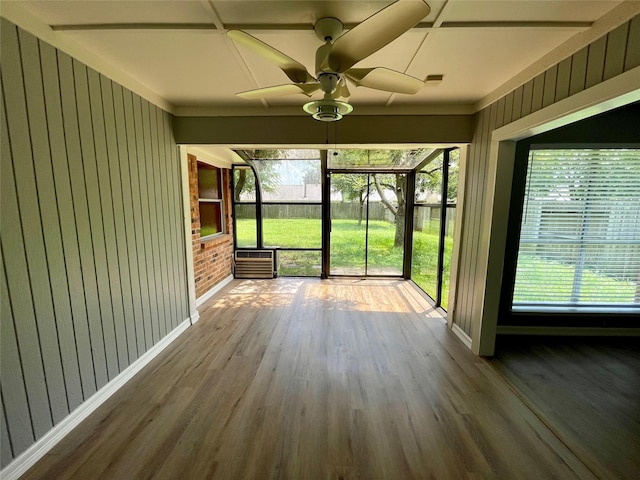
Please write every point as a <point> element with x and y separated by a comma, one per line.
<point>327,110</point>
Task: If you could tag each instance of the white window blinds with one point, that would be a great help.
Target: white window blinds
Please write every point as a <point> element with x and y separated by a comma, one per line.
<point>580,236</point>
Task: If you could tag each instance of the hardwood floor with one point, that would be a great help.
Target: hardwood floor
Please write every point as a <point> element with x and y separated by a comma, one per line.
<point>310,379</point>
<point>587,390</point>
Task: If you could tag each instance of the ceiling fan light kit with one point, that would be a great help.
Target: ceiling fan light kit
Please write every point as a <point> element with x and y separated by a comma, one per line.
<point>336,57</point>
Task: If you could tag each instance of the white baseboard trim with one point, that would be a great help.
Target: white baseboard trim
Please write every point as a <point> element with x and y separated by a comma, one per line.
<point>194,317</point>
<point>206,296</point>
<point>568,331</point>
<point>461,334</point>
<point>35,452</point>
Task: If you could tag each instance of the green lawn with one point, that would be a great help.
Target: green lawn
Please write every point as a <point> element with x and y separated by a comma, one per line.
<point>348,245</point>
<point>347,248</point>
<point>597,288</point>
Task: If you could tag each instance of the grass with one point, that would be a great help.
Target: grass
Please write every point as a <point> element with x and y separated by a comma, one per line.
<point>596,288</point>
<point>348,248</point>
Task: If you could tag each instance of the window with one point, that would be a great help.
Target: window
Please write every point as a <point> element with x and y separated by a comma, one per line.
<point>210,200</point>
<point>433,231</point>
<point>580,234</point>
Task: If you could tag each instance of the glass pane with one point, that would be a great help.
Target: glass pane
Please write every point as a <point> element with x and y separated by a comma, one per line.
<point>452,186</point>
<point>290,180</point>
<point>299,263</point>
<point>448,251</point>
<point>246,229</point>
<point>297,226</point>
<point>208,181</point>
<point>244,185</point>
<point>429,182</point>
<point>282,153</point>
<point>580,235</point>
<point>426,238</point>
<point>386,224</point>
<point>348,223</point>
<point>210,218</point>
<point>378,159</point>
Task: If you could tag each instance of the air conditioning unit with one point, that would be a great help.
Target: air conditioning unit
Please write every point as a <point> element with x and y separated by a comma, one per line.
<point>254,263</point>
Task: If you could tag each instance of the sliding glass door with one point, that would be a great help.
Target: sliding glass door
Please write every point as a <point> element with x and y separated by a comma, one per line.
<point>363,229</point>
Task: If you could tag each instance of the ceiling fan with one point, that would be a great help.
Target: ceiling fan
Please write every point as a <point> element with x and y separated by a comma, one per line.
<point>335,59</point>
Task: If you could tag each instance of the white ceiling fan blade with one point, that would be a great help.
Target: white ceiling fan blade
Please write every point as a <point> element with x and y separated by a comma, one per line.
<point>375,32</point>
<point>384,79</point>
<point>307,89</point>
<point>294,70</point>
<point>342,90</point>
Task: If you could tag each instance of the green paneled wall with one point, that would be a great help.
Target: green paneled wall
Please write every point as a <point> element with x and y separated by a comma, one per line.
<point>611,55</point>
<point>91,234</point>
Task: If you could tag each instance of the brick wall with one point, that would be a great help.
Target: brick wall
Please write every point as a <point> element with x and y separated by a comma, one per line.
<point>212,259</point>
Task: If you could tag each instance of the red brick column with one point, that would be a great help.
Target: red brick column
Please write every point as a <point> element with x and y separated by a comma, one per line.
<point>212,258</point>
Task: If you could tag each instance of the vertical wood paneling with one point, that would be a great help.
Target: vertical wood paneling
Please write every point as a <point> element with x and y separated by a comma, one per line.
<point>129,219</point>
<point>616,50</point>
<point>116,328</point>
<point>595,62</point>
<point>83,288</point>
<point>11,371</point>
<point>138,186</point>
<point>53,172</point>
<point>500,112</point>
<point>632,57</point>
<point>517,103</point>
<point>578,71</point>
<point>527,96</point>
<point>178,237</point>
<point>537,93</point>
<point>154,223</point>
<point>158,214</point>
<point>508,108</point>
<point>91,235</point>
<point>124,277</point>
<point>98,306</point>
<point>550,79</point>
<point>563,79</point>
<point>41,228</point>
<point>6,450</point>
<point>164,169</point>
<point>15,250</point>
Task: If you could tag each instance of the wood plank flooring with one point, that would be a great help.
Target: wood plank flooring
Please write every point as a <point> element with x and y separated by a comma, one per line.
<point>587,390</point>
<point>311,379</point>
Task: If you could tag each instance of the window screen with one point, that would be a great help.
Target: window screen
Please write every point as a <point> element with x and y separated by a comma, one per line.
<point>580,232</point>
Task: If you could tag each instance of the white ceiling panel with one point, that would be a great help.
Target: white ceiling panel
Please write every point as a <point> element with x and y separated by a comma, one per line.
<point>119,11</point>
<point>484,59</point>
<point>191,67</point>
<point>528,10</point>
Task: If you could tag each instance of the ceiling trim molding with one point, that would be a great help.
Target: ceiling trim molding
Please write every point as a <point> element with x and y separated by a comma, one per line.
<point>440,25</point>
<point>616,17</point>
<point>362,110</point>
<point>15,14</point>
<point>132,26</point>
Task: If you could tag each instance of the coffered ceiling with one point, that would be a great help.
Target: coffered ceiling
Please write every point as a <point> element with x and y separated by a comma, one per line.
<point>179,49</point>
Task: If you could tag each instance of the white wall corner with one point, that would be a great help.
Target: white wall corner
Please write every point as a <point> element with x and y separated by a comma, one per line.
<point>494,238</point>
<point>35,452</point>
<point>457,236</point>
<point>186,211</point>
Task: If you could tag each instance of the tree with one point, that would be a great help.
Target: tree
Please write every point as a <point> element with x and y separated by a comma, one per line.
<point>399,187</point>
<point>262,160</point>
<point>352,187</point>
